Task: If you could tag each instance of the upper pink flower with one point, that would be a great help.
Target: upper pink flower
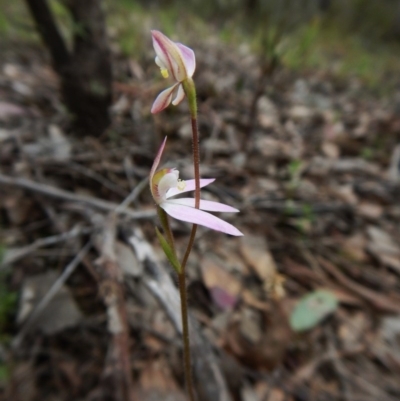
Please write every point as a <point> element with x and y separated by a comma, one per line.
<point>165,184</point>
<point>176,60</point>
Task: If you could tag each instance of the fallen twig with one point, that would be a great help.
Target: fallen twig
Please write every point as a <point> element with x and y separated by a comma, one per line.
<point>54,192</point>
<point>117,371</point>
<point>11,255</point>
<point>49,296</point>
<point>377,300</point>
<point>298,209</point>
<point>132,196</point>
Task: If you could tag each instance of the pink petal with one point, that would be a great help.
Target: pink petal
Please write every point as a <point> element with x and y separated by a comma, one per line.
<point>196,216</point>
<point>208,206</point>
<point>162,46</point>
<point>179,96</point>
<point>188,58</point>
<point>163,100</point>
<point>169,54</point>
<point>157,161</point>
<point>190,186</point>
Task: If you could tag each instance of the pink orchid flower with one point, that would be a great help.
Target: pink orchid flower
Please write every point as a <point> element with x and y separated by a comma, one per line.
<point>165,183</point>
<point>176,60</point>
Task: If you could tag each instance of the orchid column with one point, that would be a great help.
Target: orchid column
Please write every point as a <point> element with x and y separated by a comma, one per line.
<point>178,61</point>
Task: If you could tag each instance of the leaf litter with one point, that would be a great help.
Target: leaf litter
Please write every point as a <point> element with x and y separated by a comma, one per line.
<point>317,181</point>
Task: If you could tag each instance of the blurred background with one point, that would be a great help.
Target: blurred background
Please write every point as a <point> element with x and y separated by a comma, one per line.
<point>358,36</point>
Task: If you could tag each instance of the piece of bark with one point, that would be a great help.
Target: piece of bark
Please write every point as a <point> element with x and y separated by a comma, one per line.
<point>85,72</point>
<point>117,371</point>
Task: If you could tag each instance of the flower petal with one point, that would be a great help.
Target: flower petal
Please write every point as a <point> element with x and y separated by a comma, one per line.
<point>196,216</point>
<point>163,99</point>
<point>179,96</point>
<point>170,55</point>
<point>156,163</point>
<point>188,58</point>
<point>208,206</point>
<point>190,186</point>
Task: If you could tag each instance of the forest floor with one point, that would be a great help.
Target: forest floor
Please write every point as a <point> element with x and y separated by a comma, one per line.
<point>315,172</point>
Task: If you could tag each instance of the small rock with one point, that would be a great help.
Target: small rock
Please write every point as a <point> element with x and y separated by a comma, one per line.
<point>239,159</point>
<point>127,260</point>
<point>60,313</point>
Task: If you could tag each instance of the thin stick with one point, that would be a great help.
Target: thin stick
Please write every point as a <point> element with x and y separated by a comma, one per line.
<point>117,365</point>
<point>185,335</point>
<point>50,294</point>
<point>54,192</point>
<point>132,196</point>
<point>12,255</point>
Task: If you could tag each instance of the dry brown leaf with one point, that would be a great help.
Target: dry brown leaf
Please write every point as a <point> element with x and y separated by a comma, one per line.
<point>18,206</point>
<point>256,253</point>
<point>157,383</point>
<point>252,301</point>
<point>384,248</point>
<point>353,329</point>
<point>370,210</point>
<point>223,286</point>
<point>260,339</point>
<point>354,247</point>
<point>330,150</point>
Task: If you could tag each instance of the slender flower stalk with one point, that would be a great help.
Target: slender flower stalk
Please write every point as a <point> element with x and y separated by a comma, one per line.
<point>178,61</point>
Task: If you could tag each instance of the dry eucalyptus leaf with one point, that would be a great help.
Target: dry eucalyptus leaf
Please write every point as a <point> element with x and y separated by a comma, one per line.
<point>156,383</point>
<point>383,247</point>
<point>256,253</point>
<point>223,286</point>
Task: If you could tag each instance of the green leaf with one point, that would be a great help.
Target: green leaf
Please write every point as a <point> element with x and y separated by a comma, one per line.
<point>312,309</point>
<point>169,252</point>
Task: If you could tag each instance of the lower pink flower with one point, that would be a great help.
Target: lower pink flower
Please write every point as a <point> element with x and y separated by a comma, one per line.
<point>165,183</point>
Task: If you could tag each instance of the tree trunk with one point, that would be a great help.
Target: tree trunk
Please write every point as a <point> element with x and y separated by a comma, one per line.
<point>85,72</point>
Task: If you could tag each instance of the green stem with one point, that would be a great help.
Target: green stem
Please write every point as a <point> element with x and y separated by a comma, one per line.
<point>196,159</point>
<point>185,335</point>
<point>184,304</point>
<point>190,91</point>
